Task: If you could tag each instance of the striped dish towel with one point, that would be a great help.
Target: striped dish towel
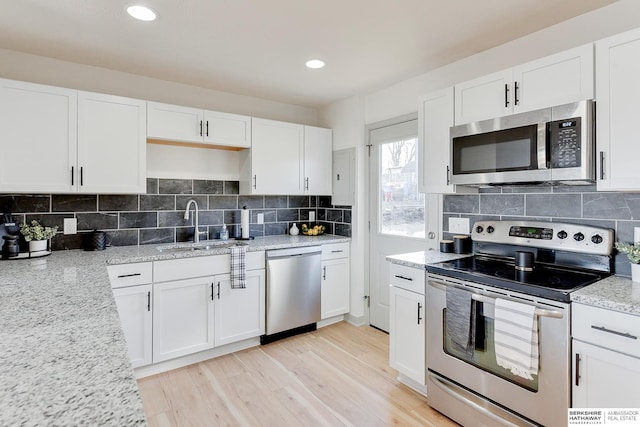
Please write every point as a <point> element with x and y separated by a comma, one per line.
<point>238,267</point>
<point>516,337</point>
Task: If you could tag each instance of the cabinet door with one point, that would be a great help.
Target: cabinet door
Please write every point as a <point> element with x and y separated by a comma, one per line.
<point>317,160</point>
<point>183,317</point>
<point>617,93</point>
<point>111,144</point>
<point>334,294</point>
<point>435,118</point>
<point>554,80</point>
<point>484,98</point>
<point>407,333</point>
<point>225,129</point>
<point>344,175</point>
<point>134,308</point>
<point>239,313</point>
<point>38,137</point>
<point>174,122</point>
<point>607,379</point>
<point>276,157</point>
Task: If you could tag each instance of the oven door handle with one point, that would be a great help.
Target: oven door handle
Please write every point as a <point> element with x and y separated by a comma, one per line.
<point>541,312</point>
<point>445,388</point>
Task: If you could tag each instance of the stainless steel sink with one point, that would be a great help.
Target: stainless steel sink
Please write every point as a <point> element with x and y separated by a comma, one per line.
<point>199,247</point>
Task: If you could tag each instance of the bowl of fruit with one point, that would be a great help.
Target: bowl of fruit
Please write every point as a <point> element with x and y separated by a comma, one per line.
<point>316,230</point>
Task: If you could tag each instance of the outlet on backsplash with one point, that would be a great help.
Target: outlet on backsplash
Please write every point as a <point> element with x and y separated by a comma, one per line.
<point>459,225</point>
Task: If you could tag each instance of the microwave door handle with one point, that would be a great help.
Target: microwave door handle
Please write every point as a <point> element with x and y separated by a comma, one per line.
<point>541,146</point>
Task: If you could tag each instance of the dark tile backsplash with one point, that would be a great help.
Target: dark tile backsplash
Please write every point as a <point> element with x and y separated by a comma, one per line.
<point>158,216</point>
<point>570,204</point>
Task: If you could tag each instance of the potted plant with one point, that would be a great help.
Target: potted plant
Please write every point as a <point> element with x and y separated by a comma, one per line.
<point>632,251</point>
<point>37,235</point>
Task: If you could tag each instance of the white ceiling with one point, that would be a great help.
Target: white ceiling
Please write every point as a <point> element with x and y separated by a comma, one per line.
<point>258,47</point>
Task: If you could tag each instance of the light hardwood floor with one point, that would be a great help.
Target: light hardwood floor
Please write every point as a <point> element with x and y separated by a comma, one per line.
<point>336,376</point>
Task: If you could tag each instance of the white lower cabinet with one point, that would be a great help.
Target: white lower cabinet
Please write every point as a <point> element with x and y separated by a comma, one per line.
<point>407,340</point>
<point>606,358</point>
<point>239,313</point>
<point>183,317</point>
<point>334,293</point>
<point>134,308</point>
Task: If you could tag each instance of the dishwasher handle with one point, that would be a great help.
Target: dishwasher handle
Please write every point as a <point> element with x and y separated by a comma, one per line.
<point>293,252</point>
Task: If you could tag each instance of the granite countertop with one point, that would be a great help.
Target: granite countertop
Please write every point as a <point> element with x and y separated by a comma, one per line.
<point>420,259</point>
<point>63,359</point>
<point>614,293</point>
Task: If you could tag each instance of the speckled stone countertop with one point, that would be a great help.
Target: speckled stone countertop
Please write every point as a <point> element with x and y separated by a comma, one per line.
<point>422,258</point>
<point>614,293</point>
<point>63,357</point>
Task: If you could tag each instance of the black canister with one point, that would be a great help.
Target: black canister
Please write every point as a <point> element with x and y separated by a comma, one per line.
<point>96,241</point>
<point>524,261</point>
<point>461,244</point>
<point>10,247</point>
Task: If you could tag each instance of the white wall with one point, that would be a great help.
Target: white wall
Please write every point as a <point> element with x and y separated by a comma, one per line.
<point>351,115</point>
<point>162,161</point>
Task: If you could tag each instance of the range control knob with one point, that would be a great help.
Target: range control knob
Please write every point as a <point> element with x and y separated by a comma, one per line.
<point>562,234</point>
<point>596,238</point>
<point>490,229</point>
<point>578,237</point>
<point>479,229</point>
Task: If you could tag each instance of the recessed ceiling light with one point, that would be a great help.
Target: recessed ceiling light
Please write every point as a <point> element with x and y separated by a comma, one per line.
<point>315,63</point>
<point>142,13</point>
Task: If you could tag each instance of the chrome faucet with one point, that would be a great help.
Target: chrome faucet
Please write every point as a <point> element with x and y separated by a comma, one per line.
<point>197,232</point>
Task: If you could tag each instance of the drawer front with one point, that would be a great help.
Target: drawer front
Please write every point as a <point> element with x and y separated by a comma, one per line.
<point>185,268</point>
<point>411,279</point>
<point>123,275</point>
<point>335,251</point>
<point>606,328</point>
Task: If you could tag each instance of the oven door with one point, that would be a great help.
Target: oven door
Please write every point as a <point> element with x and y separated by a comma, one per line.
<point>469,385</point>
<point>504,150</point>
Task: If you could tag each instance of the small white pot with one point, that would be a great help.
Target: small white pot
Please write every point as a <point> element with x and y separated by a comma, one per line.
<point>635,272</point>
<point>41,245</point>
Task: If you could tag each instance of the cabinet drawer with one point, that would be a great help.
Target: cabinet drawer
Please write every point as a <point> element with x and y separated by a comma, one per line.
<point>606,328</point>
<point>123,275</point>
<point>184,268</point>
<point>412,279</point>
<point>335,250</point>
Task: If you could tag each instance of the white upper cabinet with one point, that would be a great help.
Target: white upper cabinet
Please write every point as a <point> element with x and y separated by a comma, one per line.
<point>553,80</point>
<point>435,117</point>
<point>286,158</point>
<point>344,177</point>
<point>617,94</point>
<point>38,137</point>
<point>111,144</point>
<point>176,123</point>
<point>318,143</point>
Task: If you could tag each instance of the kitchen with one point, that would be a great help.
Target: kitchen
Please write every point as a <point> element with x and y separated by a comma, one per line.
<point>348,117</point>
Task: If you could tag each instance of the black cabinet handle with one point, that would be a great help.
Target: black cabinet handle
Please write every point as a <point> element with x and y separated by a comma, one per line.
<point>336,252</point>
<point>419,308</point>
<point>129,275</point>
<point>515,93</point>
<point>72,173</point>
<point>506,95</point>
<point>306,183</point>
<point>211,291</point>
<point>218,290</point>
<point>207,127</point>
<point>200,127</point>
<point>404,278</point>
<point>324,273</point>
<point>601,165</point>
<point>149,301</point>
<point>577,373</point>
<point>255,182</point>
<point>609,331</point>
<point>448,173</point>
<point>81,175</point>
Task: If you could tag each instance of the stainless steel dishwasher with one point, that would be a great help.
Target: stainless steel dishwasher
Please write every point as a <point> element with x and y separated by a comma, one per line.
<point>293,291</point>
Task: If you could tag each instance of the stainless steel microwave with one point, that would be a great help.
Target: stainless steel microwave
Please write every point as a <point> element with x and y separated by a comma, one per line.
<point>550,145</point>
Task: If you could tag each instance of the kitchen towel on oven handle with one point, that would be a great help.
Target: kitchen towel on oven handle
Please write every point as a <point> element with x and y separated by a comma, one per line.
<point>516,337</point>
<point>460,319</point>
<point>238,267</point>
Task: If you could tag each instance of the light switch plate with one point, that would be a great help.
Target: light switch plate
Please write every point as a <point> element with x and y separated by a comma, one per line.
<point>260,218</point>
<point>70,226</point>
<point>312,216</point>
<point>459,225</point>
<point>636,234</point>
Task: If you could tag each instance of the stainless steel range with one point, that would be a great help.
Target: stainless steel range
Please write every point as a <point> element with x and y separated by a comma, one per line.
<point>498,335</point>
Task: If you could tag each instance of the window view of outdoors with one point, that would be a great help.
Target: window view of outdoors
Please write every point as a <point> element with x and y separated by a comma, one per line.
<point>401,206</point>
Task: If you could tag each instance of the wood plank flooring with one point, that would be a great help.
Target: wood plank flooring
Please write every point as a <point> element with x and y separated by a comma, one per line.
<point>336,376</point>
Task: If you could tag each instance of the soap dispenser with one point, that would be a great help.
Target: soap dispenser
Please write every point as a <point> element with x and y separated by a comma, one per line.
<point>224,232</point>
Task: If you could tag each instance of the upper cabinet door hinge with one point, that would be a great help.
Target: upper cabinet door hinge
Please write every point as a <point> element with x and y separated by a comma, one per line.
<point>369,147</point>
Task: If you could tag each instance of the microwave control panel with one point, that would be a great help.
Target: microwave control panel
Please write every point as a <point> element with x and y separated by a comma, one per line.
<point>565,141</point>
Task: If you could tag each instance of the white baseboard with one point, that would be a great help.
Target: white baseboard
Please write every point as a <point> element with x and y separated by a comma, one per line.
<point>330,321</point>
<point>413,384</point>
<point>356,320</point>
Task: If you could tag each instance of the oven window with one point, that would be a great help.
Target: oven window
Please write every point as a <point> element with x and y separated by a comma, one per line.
<point>499,151</point>
<point>483,355</point>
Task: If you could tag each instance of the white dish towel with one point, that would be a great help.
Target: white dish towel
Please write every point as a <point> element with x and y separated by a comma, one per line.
<point>238,267</point>
<point>516,337</point>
